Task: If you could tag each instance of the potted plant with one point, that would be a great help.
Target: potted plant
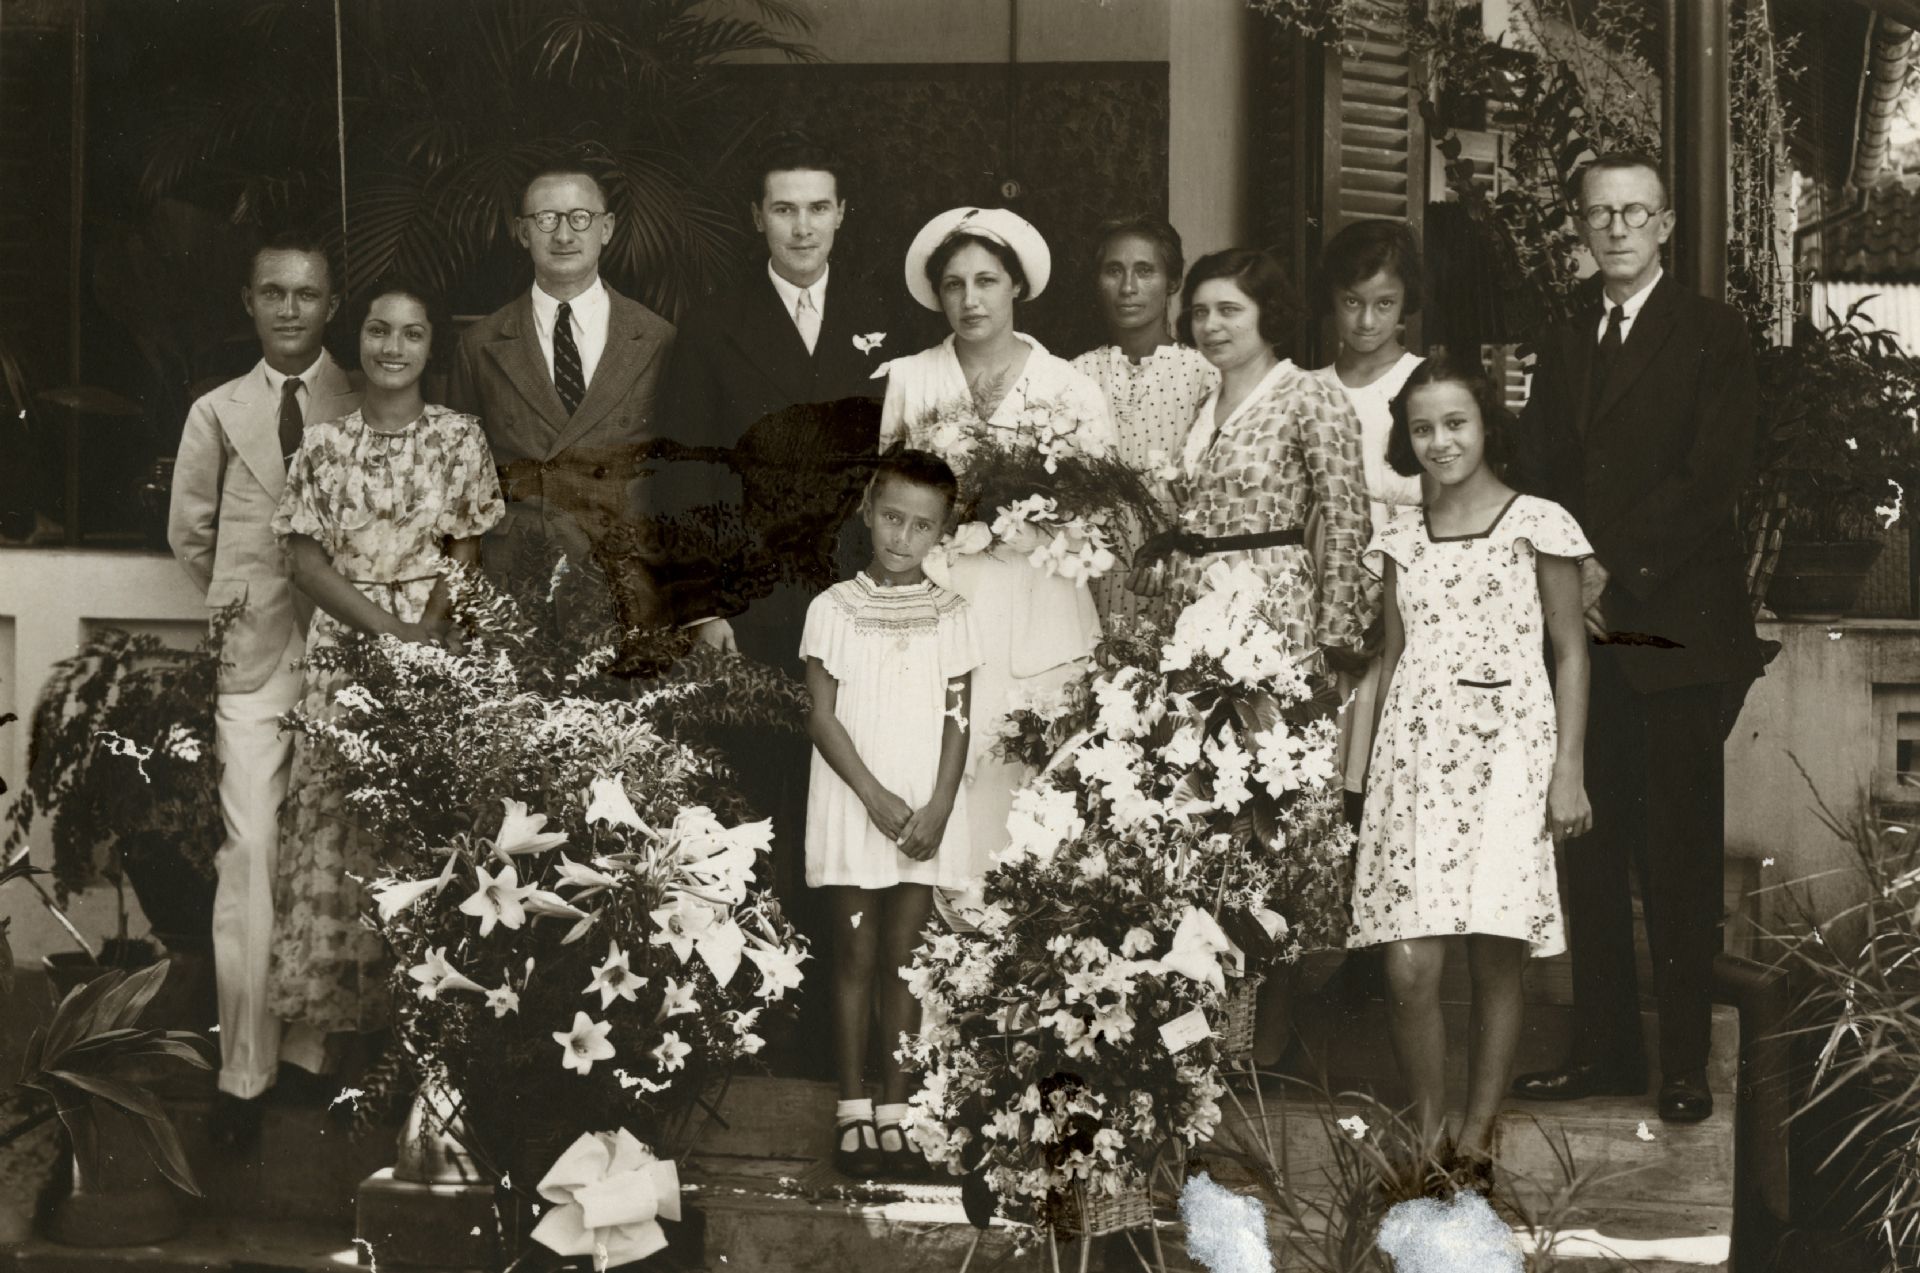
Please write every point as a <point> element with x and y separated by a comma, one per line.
<point>121,764</point>
<point>82,1067</point>
<point>1836,455</point>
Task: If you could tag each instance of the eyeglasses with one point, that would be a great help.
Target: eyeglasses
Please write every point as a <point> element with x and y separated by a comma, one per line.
<point>1599,216</point>
<point>579,220</point>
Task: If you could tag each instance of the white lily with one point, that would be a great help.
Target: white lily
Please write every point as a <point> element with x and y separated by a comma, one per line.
<point>520,832</point>
<point>497,898</point>
<point>607,802</point>
<point>614,979</point>
<point>584,1044</point>
<point>437,975</point>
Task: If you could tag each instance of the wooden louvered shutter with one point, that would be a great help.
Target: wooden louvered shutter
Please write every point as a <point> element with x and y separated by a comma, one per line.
<point>1285,180</point>
<point>1373,141</point>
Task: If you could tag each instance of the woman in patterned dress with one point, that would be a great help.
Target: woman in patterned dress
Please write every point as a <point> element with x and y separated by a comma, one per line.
<point>972,264</point>
<point>1272,446</point>
<point>375,506</point>
<point>1369,285</point>
<point>1152,384</point>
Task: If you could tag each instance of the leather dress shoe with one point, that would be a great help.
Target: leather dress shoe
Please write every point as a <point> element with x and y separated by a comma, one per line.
<point>1684,1097</point>
<point>1577,1080</point>
<point>234,1123</point>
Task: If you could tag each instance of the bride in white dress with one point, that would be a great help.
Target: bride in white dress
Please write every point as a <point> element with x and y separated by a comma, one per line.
<point>972,264</point>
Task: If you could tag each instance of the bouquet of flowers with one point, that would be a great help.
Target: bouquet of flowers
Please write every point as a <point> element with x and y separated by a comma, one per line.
<point>1184,832</point>
<point>566,885</point>
<point>1044,489</point>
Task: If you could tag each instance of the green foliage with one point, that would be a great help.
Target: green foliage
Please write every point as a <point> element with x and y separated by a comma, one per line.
<point>82,1055</point>
<point>121,756</point>
<point>1860,999</point>
<point>447,106</point>
<point>1840,407</point>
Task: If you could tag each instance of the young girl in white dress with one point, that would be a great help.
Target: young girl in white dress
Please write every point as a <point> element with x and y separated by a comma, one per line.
<point>1370,285</point>
<point>1477,758</point>
<point>890,656</point>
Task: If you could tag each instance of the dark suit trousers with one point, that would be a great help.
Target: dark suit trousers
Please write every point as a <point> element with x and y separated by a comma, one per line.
<point>1654,775</point>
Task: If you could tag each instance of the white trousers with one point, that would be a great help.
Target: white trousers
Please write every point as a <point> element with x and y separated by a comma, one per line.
<point>255,757</point>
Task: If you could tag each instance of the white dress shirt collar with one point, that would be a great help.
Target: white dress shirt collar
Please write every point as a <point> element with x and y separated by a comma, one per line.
<point>790,294</point>
<point>1632,305</point>
<point>591,311</point>
<point>275,380</point>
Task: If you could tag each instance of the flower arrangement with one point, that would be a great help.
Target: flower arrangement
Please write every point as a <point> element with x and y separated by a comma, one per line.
<point>1183,833</point>
<point>1044,489</point>
<point>568,886</point>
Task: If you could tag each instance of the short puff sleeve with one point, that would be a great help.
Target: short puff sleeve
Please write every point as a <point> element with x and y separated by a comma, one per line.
<point>828,634</point>
<point>1545,527</point>
<point>959,636</point>
<point>1393,541</point>
<point>473,504</point>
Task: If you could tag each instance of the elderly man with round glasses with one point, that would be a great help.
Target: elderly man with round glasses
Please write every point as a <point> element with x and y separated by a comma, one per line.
<point>1642,424</point>
<point>563,379</point>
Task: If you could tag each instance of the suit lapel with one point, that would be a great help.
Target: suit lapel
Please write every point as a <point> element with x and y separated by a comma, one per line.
<point>1650,329</point>
<point>766,336</point>
<point>333,393</point>
<point>630,350</point>
<point>517,354</point>
<point>253,425</point>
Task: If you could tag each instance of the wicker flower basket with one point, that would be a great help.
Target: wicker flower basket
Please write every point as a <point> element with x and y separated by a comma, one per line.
<point>1093,1213</point>
<point>1236,1033</point>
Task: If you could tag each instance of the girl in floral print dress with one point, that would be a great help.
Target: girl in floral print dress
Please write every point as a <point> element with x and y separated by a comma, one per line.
<point>375,507</point>
<point>1476,770</point>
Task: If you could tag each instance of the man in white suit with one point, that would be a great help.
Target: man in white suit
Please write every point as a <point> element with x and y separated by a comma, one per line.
<point>226,482</point>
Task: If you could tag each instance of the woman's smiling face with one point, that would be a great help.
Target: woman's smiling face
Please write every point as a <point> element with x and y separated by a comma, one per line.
<point>395,340</point>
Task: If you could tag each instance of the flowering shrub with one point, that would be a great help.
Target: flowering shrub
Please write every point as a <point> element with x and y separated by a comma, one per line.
<point>567,889</point>
<point>1184,831</point>
<point>1043,489</point>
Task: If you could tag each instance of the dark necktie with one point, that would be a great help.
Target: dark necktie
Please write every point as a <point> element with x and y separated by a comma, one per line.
<point>291,421</point>
<point>568,378</point>
<point>1609,351</point>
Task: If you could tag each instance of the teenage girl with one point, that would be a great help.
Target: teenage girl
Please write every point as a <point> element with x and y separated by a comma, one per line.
<point>1476,769</point>
<point>890,656</point>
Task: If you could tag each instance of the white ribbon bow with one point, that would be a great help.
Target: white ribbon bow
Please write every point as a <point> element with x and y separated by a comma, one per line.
<point>607,1190</point>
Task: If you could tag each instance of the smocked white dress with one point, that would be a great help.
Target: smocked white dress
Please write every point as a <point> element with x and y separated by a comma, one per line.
<point>1455,836</point>
<point>892,650</point>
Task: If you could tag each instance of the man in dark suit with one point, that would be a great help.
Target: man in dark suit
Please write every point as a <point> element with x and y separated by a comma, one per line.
<point>1643,424</point>
<point>563,379</point>
<point>775,374</point>
<point>778,369</point>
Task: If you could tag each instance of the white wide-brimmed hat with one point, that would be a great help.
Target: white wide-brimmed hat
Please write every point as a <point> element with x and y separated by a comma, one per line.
<point>1009,229</point>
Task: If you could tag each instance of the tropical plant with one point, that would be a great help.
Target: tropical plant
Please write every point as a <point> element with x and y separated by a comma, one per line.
<point>82,1056</point>
<point>121,759</point>
<point>446,105</point>
<point>1859,973</point>
<point>1839,406</point>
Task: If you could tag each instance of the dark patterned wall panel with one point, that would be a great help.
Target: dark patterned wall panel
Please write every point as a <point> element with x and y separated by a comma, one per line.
<point>1090,142</point>
<point>1283,164</point>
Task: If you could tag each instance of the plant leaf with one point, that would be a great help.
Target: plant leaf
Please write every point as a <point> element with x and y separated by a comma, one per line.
<point>130,1097</point>
<point>162,1143</point>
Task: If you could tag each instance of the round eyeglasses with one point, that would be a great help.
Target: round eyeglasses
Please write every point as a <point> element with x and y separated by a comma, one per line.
<point>578,220</point>
<point>1599,216</point>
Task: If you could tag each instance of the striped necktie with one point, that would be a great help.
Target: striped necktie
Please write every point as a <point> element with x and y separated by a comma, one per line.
<point>568,378</point>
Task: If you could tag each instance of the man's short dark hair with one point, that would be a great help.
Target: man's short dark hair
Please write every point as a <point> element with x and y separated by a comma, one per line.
<point>561,167</point>
<point>1444,367</point>
<point>307,242</point>
<point>430,300</point>
<point>1363,249</point>
<point>795,152</point>
<point>1615,161</point>
<point>1154,229</point>
<point>921,468</point>
<point>1253,272</point>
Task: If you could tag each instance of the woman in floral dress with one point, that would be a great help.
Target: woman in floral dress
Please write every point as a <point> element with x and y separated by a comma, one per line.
<point>376,505</point>
<point>973,264</point>
<point>1153,385</point>
<point>1272,446</point>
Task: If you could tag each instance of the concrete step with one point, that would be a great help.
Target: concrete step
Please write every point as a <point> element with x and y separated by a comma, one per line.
<point>1347,1041</point>
<point>210,1245</point>
<point>306,1167</point>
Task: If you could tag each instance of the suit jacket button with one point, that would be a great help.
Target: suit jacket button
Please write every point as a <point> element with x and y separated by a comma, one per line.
<point>599,470</point>
<point>1646,572</point>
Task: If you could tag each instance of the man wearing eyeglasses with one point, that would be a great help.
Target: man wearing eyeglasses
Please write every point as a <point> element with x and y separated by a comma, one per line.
<point>1642,422</point>
<point>563,379</point>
